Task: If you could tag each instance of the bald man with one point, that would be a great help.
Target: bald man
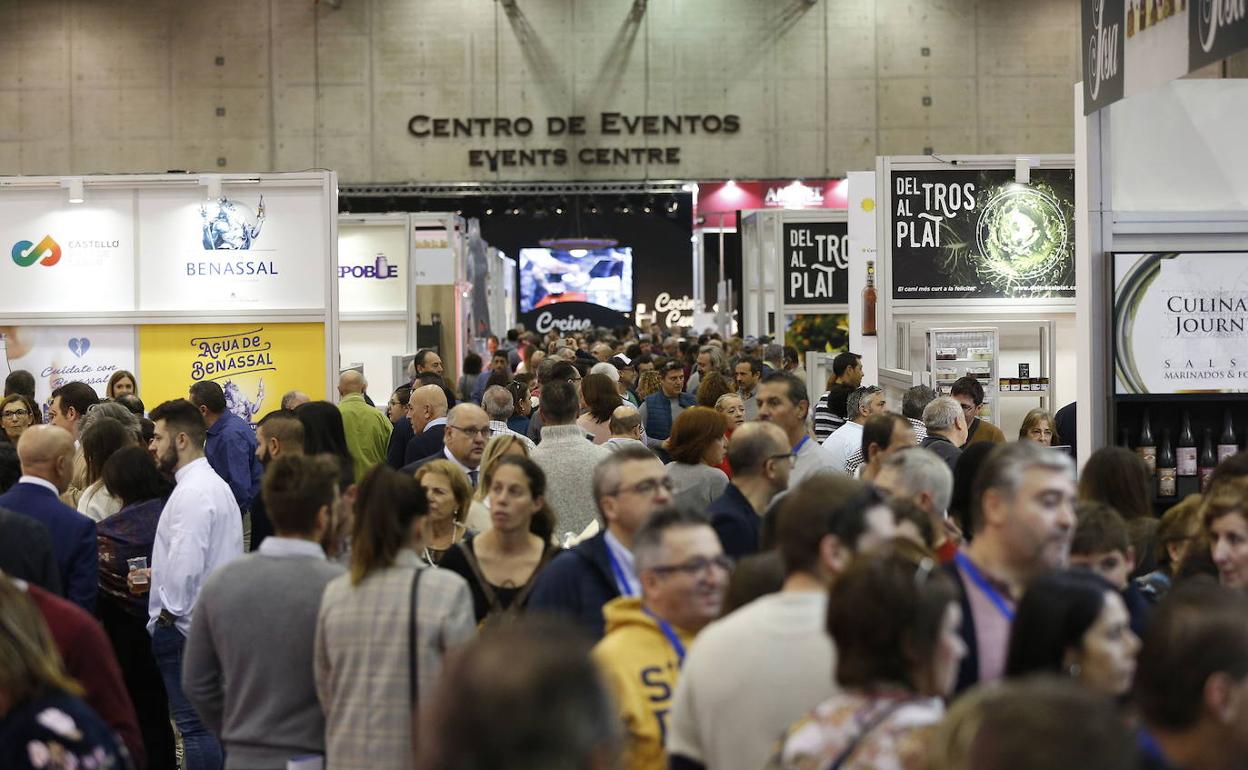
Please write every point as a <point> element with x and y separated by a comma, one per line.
<point>761,459</point>
<point>467,430</point>
<point>47,456</point>
<point>426,408</point>
<point>367,428</point>
<point>295,398</point>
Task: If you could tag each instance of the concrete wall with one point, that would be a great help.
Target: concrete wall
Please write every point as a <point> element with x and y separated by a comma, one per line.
<point>821,88</point>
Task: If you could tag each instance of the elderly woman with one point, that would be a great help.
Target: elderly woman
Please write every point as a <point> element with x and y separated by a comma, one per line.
<point>17,413</point>
<point>450,497</point>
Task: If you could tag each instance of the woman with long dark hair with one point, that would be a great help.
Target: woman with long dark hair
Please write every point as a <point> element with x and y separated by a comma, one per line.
<point>384,629</point>
<point>501,563</point>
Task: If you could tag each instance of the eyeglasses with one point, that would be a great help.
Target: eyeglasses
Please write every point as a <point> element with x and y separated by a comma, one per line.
<point>18,413</point>
<point>647,487</point>
<point>474,432</point>
<point>792,458</point>
<point>698,566</point>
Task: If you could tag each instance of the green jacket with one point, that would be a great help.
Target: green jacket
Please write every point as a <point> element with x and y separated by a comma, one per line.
<point>368,432</point>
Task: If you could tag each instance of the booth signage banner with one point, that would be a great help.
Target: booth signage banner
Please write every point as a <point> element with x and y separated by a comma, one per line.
<point>254,363</point>
<point>372,268</point>
<point>977,234</point>
<point>1130,46</point>
<point>67,257</point>
<point>569,317</point>
<point>1181,323</point>
<point>256,248</point>
<point>816,263</point>
<point>56,355</point>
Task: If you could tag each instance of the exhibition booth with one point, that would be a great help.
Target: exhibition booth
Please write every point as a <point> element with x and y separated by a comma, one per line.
<point>178,278</point>
<point>940,268</point>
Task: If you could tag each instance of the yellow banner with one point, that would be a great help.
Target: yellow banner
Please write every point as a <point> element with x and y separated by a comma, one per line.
<point>256,364</point>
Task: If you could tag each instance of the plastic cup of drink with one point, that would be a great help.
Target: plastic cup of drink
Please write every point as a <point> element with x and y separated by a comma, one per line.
<point>137,563</point>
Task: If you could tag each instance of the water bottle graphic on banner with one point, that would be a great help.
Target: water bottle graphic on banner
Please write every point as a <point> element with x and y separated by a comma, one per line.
<point>382,267</point>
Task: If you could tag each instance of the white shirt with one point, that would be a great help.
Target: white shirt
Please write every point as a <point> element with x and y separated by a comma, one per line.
<point>469,472</point>
<point>40,482</point>
<point>431,424</point>
<point>842,443</point>
<point>200,530</point>
<point>624,558</point>
<point>750,675</point>
<point>811,458</point>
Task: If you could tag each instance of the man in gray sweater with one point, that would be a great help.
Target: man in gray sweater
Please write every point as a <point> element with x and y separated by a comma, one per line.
<point>247,667</point>
<point>568,458</point>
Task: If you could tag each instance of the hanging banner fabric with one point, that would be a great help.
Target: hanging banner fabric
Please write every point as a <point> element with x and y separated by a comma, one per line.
<point>1181,323</point>
<point>254,363</point>
<point>1132,45</point>
<point>56,355</point>
<point>977,234</point>
<point>816,263</point>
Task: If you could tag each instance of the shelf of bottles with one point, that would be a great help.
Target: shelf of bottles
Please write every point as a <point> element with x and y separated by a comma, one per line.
<point>1181,438</point>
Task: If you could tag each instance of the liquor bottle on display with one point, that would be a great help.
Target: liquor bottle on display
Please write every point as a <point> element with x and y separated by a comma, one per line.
<point>1146,447</point>
<point>868,302</point>
<point>1187,448</point>
<point>1227,443</point>
<point>1167,471</point>
<point>1207,461</point>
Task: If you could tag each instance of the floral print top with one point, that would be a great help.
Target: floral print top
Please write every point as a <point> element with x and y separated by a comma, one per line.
<point>864,732</point>
<point>58,732</point>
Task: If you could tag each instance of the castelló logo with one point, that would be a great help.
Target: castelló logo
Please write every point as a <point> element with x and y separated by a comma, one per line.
<point>47,253</point>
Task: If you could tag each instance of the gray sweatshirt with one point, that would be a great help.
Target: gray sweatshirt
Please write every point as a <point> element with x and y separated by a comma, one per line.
<point>247,668</point>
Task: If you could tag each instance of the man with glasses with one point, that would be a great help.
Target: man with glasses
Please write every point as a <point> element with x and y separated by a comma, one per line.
<point>761,461</point>
<point>467,430</point>
<point>661,409</point>
<point>628,486</point>
<point>683,574</point>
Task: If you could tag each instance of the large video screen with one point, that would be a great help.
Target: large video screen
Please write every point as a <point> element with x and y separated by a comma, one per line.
<point>599,276</point>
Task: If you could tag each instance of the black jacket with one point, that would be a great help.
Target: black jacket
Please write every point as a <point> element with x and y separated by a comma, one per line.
<point>26,552</point>
<point>576,584</point>
<point>428,443</point>
<point>736,523</point>
<point>944,448</point>
<point>968,673</point>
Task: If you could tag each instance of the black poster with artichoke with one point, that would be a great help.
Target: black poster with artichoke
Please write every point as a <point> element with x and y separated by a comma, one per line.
<point>978,234</point>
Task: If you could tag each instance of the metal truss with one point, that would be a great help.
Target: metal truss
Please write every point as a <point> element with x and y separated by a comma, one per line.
<point>513,189</point>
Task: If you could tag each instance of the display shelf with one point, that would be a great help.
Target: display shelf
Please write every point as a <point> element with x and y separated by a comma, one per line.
<point>1023,393</point>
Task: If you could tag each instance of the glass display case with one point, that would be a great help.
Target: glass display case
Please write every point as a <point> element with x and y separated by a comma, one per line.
<point>954,353</point>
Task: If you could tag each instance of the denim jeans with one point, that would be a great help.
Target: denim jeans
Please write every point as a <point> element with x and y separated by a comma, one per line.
<point>201,750</point>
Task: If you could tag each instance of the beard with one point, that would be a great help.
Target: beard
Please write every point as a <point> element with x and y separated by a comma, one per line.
<point>167,461</point>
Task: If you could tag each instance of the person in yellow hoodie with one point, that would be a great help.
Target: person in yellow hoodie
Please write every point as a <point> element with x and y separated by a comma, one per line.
<point>683,574</point>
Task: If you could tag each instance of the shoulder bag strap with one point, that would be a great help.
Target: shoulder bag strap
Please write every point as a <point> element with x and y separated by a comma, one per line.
<point>849,750</point>
<point>413,643</point>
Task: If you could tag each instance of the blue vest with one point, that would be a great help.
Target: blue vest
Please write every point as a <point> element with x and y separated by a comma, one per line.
<point>659,413</point>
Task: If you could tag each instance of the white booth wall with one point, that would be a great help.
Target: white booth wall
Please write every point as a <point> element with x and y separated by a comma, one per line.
<point>374,310</point>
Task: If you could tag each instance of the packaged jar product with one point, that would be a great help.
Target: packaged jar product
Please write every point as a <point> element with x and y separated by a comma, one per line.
<point>1014,384</point>
<point>1044,384</point>
<point>1003,384</point>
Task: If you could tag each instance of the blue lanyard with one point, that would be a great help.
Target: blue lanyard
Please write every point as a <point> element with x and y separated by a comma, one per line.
<point>626,588</point>
<point>982,583</point>
<point>670,633</point>
<point>800,444</point>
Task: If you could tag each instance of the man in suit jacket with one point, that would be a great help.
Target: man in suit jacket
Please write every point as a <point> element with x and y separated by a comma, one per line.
<point>467,431</point>
<point>47,456</point>
<point>427,410</point>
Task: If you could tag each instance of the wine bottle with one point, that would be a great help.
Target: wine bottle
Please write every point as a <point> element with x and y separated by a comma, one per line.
<point>1207,461</point>
<point>1146,447</point>
<point>1227,444</point>
<point>868,302</point>
<point>1167,475</point>
<point>1187,448</point>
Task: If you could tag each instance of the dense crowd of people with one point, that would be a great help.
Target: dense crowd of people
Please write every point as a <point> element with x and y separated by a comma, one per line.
<point>605,550</point>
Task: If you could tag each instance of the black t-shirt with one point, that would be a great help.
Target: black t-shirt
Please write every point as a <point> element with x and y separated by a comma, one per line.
<point>457,562</point>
